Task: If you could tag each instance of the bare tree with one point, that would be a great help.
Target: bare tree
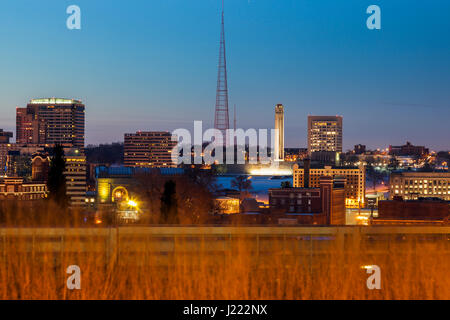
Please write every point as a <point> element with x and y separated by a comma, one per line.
<point>243,184</point>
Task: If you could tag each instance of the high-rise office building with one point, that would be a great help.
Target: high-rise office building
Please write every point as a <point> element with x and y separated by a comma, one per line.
<point>279,125</point>
<point>149,149</point>
<point>51,120</point>
<point>29,128</point>
<point>324,134</point>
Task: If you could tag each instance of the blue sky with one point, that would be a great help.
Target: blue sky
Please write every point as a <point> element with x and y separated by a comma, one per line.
<point>152,65</point>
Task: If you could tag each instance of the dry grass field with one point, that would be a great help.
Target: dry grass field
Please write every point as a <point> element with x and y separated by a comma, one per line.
<point>33,265</point>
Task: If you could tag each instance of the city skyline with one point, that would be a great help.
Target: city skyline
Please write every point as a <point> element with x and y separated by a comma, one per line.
<point>391,85</point>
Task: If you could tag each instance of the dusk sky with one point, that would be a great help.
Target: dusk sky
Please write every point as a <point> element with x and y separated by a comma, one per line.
<point>152,65</point>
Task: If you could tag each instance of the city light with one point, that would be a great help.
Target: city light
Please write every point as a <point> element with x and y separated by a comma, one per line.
<point>367,267</point>
<point>271,172</point>
<point>132,203</point>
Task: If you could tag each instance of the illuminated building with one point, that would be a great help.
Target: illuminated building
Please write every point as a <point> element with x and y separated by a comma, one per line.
<point>4,149</point>
<point>18,164</point>
<point>295,154</point>
<point>118,183</point>
<point>226,205</point>
<point>9,154</point>
<point>75,176</point>
<point>119,189</point>
<point>14,188</point>
<point>324,134</point>
<point>4,136</point>
<point>29,128</point>
<point>355,181</point>
<point>316,205</point>
<point>149,149</point>
<point>411,185</point>
<point>279,125</point>
<point>40,165</point>
<point>50,121</point>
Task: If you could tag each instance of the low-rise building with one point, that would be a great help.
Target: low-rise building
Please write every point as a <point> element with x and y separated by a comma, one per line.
<point>355,188</point>
<point>421,211</point>
<point>320,205</point>
<point>5,136</point>
<point>40,165</point>
<point>295,154</point>
<point>115,183</point>
<point>408,150</point>
<point>14,188</point>
<point>359,149</point>
<point>226,205</point>
<point>11,153</point>
<point>411,185</point>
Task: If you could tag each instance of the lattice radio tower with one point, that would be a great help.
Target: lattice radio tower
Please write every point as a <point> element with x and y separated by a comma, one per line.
<point>221,119</point>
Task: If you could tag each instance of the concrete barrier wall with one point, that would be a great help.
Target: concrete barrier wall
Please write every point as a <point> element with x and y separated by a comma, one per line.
<point>121,243</point>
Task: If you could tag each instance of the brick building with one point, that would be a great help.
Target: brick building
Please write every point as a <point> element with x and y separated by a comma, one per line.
<point>408,150</point>
<point>421,211</point>
<point>318,205</point>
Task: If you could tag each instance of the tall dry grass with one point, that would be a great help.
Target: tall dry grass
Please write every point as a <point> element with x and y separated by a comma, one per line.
<point>220,268</point>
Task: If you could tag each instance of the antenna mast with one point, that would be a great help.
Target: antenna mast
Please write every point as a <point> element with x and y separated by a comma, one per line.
<point>221,118</point>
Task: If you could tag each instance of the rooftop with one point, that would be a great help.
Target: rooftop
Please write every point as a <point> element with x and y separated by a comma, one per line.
<point>54,101</point>
<point>122,171</point>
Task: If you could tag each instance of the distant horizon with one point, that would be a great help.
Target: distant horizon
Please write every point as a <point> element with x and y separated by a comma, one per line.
<point>152,66</point>
<point>122,141</point>
<point>286,147</point>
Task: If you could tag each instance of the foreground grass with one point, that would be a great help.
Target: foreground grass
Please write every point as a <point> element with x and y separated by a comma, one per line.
<point>216,268</point>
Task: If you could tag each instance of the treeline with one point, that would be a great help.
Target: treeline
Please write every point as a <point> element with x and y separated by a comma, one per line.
<point>105,153</point>
<point>184,199</point>
<point>38,213</point>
